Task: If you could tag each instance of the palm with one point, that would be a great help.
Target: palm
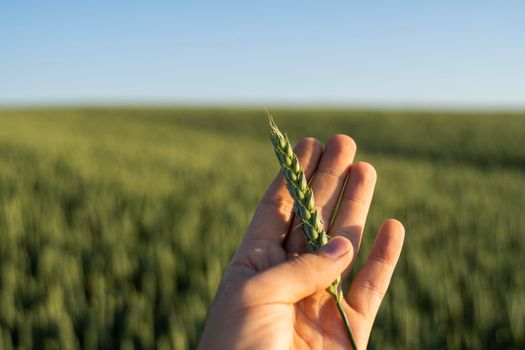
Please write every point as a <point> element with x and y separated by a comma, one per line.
<point>318,325</point>
<point>274,236</point>
<point>314,321</point>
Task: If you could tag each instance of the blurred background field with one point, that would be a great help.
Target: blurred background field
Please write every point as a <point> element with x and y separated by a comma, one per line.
<point>116,224</point>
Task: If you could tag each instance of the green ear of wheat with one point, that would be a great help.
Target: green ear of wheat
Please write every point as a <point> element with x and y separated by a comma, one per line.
<point>304,207</point>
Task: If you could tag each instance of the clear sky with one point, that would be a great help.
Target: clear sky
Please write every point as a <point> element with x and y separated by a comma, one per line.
<point>289,52</point>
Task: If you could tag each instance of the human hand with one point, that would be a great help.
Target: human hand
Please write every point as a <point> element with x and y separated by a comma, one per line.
<point>272,296</point>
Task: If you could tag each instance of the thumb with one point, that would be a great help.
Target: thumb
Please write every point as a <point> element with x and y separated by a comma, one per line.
<point>306,274</point>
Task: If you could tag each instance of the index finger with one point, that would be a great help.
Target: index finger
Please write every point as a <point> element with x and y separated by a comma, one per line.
<point>273,216</point>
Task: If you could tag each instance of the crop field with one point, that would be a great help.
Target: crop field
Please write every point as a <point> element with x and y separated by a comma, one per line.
<point>117,224</point>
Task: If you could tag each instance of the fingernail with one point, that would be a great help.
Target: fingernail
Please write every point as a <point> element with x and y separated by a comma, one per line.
<point>336,247</point>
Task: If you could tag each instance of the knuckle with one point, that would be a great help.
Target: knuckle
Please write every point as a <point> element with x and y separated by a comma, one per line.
<point>302,262</point>
<point>330,172</point>
<point>371,288</point>
<point>281,203</point>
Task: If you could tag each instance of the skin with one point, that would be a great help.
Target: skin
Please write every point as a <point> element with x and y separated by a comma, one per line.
<point>272,294</point>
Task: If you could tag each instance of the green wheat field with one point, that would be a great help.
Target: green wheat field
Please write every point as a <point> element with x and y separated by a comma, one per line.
<point>117,224</point>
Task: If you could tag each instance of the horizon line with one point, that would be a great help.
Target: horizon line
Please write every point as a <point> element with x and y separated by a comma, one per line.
<point>192,103</point>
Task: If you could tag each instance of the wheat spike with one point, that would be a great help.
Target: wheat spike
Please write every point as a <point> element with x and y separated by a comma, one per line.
<point>304,206</point>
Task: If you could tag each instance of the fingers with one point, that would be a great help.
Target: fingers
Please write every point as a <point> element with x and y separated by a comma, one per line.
<point>274,214</point>
<point>302,276</point>
<point>369,286</point>
<point>327,183</point>
<point>353,210</point>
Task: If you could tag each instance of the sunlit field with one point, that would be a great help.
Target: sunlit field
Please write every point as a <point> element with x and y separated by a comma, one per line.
<point>117,224</point>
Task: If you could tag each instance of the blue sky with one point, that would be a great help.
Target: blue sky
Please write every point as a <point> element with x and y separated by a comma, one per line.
<point>448,53</point>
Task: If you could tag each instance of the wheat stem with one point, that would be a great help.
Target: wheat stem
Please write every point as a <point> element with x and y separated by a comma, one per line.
<point>347,324</point>
<point>304,207</point>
